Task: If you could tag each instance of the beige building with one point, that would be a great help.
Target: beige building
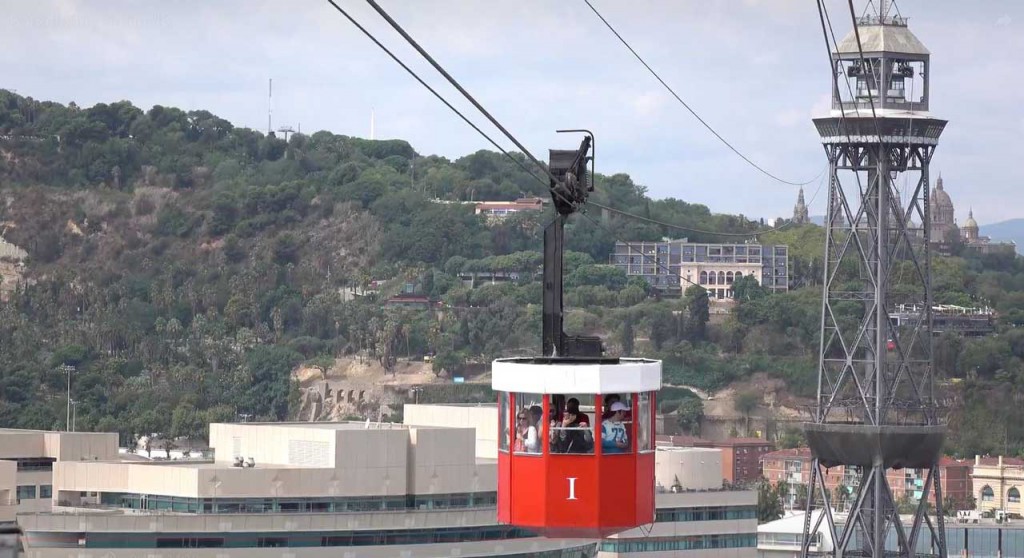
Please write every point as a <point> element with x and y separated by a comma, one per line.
<point>27,459</point>
<point>8,491</point>
<point>695,517</point>
<point>998,483</point>
<point>316,489</point>
<point>354,490</point>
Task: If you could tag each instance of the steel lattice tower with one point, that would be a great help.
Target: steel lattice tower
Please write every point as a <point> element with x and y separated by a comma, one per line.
<point>875,408</point>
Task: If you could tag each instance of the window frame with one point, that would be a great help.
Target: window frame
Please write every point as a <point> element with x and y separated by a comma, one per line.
<point>586,399</point>
<point>518,406</point>
<point>504,431</point>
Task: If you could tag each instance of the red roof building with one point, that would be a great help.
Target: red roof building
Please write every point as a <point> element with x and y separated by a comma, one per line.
<point>497,210</point>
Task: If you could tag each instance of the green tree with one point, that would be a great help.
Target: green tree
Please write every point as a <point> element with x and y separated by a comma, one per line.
<point>698,312</point>
<point>791,437</point>
<point>689,414</point>
<point>627,335</point>
<point>187,421</point>
<point>745,403</point>
<point>450,362</point>
<point>770,500</point>
<point>747,288</point>
<point>800,497</point>
<point>270,368</point>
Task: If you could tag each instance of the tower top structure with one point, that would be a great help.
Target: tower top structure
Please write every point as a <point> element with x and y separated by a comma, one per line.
<point>890,67</point>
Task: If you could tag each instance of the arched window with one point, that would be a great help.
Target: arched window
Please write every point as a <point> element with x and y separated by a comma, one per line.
<point>987,495</point>
<point>711,278</point>
<point>721,277</point>
<point>1013,496</point>
<point>728,278</point>
<point>739,274</point>
<point>703,277</point>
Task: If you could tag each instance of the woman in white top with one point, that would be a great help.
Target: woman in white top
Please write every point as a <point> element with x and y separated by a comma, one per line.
<point>526,433</point>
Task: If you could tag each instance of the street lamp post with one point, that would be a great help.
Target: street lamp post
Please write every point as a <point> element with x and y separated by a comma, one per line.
<point>68,369</point>
<point>74,415</point>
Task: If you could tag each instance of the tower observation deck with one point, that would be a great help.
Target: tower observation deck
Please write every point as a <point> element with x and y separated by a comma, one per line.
<point>875,407</point>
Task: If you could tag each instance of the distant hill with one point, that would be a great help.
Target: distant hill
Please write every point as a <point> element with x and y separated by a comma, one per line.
<point>1006,231</point>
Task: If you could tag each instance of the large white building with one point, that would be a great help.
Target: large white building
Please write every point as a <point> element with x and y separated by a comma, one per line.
<point>27,458</point>
<point>353,490</point>
<point>983,538</point>
<point>675,265</point>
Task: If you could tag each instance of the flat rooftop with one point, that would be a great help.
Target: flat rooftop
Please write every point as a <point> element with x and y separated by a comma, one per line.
<point>349,425</point>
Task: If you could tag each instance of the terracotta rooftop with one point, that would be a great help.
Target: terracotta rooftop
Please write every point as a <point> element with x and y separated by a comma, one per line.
<point>793,453</point>
<point>743,442</point>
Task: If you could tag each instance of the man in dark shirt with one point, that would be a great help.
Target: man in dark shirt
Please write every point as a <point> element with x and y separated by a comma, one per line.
<point>574,435</point>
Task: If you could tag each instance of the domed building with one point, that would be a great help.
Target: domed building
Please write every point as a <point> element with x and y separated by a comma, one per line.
<point>970,229</point>
<point>942,212</point>
<point>970,233</point>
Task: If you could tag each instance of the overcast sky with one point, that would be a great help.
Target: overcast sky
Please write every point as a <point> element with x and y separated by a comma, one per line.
<point>754,69</point>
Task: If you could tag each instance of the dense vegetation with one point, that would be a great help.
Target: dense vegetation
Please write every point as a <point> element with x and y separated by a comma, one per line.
<point>184,267</point>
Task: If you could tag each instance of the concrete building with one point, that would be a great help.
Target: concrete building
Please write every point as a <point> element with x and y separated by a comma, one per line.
<point>353,490</point>
<point>782,538</point>
<point>794,467</point>
<point>986,539</point>
<point>968,322</point>
<point>318,489</point>
<point>27,458</point>
<point>695,516</point>
<point>674,265</point>
<point>8,491</point>
<point>741,457</point>
<point>998,483</point>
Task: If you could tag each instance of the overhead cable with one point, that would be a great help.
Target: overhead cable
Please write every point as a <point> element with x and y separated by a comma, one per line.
<point>436,94</point>
<point>426,55</point>
<point>688,108</point>
<point>508,134</point>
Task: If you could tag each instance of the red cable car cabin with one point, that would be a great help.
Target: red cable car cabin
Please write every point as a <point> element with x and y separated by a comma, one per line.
<point>576,469</point>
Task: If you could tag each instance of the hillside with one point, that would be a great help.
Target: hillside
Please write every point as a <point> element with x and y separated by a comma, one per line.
<point>191,271</point>
<point>1006,231</point>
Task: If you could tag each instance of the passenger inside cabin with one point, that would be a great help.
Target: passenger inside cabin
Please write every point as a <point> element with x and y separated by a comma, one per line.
<point>614,437</point>
<point>610,400</point>
<point>526,433</point>
<point>557,407</point>
<point>573,433</point>
<point>536,412</point>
